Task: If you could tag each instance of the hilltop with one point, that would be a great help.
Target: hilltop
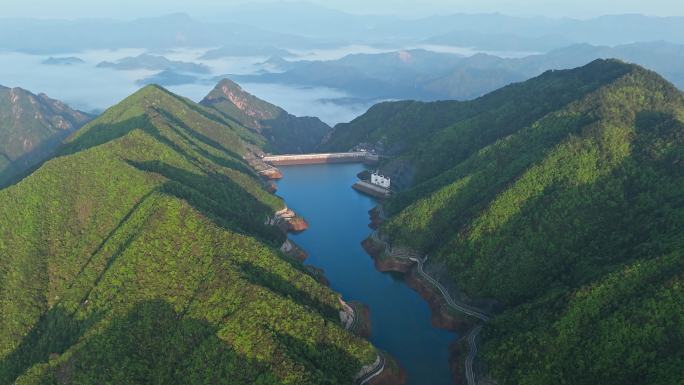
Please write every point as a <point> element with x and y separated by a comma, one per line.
<point>284,132</point>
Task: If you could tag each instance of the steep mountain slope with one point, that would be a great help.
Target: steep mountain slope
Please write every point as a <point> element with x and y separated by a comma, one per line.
<point>31,127</point>
<point>410,126</point>
<point>284,132</point>
<point>563,199</point>
<point>141,255</point>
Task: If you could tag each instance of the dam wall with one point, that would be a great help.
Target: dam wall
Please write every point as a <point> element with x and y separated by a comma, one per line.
<point>339,157</point>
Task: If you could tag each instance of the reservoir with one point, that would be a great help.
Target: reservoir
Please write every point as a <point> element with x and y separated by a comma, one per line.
<point>338,219</point>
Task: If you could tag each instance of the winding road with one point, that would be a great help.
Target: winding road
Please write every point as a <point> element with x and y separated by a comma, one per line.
<point>474,332</point>
<point>374,372</point>
<point>450,301</point>
<point>472,352</point>
<point>354,316</point>
<point>355,320</point>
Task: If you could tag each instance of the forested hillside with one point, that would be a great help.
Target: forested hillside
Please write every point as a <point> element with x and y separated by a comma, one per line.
<point>562,198</point>
<point>140,255</point>
<point>284,133</point>
<point>31,127</point>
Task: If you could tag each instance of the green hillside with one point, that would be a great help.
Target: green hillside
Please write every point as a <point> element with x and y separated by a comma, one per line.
<point>562,198</point>
<point>31,128</point>
<point>140,255</point>
<point>284,133</point>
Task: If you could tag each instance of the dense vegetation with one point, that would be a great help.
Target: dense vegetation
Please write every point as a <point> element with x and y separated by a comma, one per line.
<point>284,133</point>
<point>31,127</point>
<point>140,255</point>
<point>563,199</point>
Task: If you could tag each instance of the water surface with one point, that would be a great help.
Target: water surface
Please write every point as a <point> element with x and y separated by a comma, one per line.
<point>338,219</point>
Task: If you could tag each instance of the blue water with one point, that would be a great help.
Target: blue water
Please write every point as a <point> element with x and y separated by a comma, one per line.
<point>338,219</point>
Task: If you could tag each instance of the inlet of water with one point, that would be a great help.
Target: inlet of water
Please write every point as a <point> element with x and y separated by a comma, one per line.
<point>338,219</point>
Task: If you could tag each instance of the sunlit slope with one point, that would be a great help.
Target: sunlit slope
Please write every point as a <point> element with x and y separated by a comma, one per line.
<point>282,131</point>
<point>563,199</point>
<point>140,255</point>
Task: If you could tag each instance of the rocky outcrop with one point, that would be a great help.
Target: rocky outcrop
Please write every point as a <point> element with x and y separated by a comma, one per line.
<point>271,173</point>
<point>293,250</point>
<point>288,221</point>
<point>296,225</point>
<point>382,262</point>
<point>376,218</point>
<point>271,187</point>
<point>387,265</point>
<point>441,316</point>
<point>362,327</point>
<point>265,170</point>
<point>373,249</point>
<point>347,315</point>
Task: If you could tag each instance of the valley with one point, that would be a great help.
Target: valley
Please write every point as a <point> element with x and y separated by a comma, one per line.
<point>401,321</point>
<point>286,194</point>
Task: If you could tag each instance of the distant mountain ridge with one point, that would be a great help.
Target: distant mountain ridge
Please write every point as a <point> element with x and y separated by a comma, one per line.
<point>63,61</point>
<point>155,62</point>
<point>284,132</point>
<point>428,76</point>
<point>31,128</point>
<point>393,75</point>
<point>168,31</point>
<point>478,30</point>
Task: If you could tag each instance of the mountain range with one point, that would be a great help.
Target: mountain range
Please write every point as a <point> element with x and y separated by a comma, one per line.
<point>155,62</point>
<point>557,205</point>
<point>170,31</point>
<point>301,25</point>
<point>141,249</point>
<point>143,253</point>
<point>476,30</point>
<point>424,75</point>
<point>31,127</point>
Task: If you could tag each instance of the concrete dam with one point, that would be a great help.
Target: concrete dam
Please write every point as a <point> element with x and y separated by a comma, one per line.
<point>339,157</point>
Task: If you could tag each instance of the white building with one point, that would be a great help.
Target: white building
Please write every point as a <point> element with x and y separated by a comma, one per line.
<point>380,180</point>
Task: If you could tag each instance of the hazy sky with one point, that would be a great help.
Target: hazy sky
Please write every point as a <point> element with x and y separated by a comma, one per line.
<point>205,8</point>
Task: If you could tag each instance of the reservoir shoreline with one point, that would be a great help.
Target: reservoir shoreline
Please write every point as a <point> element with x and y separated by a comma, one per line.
<point>405,328</point>
<point>458,315</point>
